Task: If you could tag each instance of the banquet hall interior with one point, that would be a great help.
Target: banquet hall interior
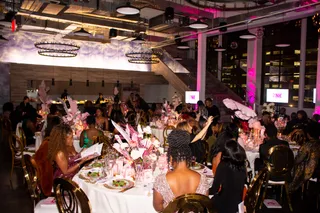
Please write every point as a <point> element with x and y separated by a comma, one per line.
<point>144,106</point>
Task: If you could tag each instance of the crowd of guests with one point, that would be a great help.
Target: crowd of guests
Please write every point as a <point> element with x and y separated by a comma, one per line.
<point>200,131</point>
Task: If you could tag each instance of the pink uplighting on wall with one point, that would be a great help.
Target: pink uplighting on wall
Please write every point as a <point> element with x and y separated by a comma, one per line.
<point>251,76</point>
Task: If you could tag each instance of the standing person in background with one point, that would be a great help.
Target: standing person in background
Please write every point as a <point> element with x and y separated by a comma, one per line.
<point>25,105</point>
<point>130,101</point>
<point>64,95</point>
<point>100,99</point>
<point>202,111</point>
<point>213,110</point>
<point>142,104</point>
<point>115,112</point>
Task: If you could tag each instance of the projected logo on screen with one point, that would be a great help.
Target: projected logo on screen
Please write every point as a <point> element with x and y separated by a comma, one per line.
<point>278,95</point>
<point>192,97</point>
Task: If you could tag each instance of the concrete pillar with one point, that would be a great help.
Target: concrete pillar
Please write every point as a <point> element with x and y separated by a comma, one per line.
<point>201,68</point>
<point>302,71</point>
<point>254,71</point>
<point>317,106</point>
<point>220,59</point>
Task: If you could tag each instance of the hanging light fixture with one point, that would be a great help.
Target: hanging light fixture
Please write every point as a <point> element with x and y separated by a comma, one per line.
<point>82,32</point>
<point>220,49</point>
<point>3,39</point>
<point>139,39</point>
<point>198,25</point>
<point>118,83</point>
<point>247,35</point>
<point>128,9</point>
<point>52,82</point>
<point>87,84</point>
<point>70,82</point>
<point>183,46</point>
<point>282,45</point>
<point>102,83</point>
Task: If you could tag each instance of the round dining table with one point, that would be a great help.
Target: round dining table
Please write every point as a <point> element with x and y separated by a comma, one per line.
<point>138,199</point>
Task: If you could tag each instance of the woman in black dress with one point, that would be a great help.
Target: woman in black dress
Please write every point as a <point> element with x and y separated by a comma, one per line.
<point>229,179</point>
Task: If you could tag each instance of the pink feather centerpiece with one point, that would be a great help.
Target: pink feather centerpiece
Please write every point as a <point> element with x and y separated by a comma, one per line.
<point>75,118</point>
<point>44,99</point>
<point>140,147</point>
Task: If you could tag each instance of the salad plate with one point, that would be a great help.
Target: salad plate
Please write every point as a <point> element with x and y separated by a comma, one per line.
<point>119,184</point>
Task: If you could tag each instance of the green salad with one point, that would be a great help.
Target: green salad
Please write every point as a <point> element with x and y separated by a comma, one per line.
<point>119,183</point>
<point>97,164</point>
<point>93,174</point>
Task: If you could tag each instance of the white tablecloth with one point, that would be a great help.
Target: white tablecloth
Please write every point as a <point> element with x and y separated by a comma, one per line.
<point>135,200</point>
<point>158,133</point>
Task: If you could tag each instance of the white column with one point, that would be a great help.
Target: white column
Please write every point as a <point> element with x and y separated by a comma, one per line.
<point>220,59</point>
<point>302,71</point>
<point>254,71</point>
<point>201,68</point>
<point>317,106</point>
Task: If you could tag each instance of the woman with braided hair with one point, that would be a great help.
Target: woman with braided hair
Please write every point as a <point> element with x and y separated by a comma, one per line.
<point>181,180</point>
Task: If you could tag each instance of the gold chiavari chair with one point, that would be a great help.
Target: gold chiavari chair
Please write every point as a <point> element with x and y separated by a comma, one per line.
<point>279,165</point>
<point>298,136</point>
<point>22,137</point>
<point>69,197</point>
<point>132,119</point>
<point>190,203</point>
<point>16,147</point>
<point>166,133</point>
<point>30,175</point>
<point>253,193</point>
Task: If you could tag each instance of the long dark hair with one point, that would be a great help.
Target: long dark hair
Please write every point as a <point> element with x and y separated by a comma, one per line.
<point>234,156</point>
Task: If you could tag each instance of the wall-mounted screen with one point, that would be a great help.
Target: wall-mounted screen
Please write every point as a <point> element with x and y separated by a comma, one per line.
<point>192,97</point>
<point>278,95</point>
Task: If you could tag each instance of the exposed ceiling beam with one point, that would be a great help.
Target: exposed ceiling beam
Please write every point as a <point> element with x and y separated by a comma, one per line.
<point>260,21</point>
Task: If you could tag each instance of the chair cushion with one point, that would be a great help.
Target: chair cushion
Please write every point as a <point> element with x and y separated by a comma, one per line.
<point>47,205</point>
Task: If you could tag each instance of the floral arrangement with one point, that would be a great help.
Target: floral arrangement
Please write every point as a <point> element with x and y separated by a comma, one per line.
<point>75,118</point>
<point>141,146</point>
<point>44,98</point>
<point>280,123</point>
<point>270,108</point>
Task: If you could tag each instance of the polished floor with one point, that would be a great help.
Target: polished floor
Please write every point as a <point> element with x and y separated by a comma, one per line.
<point>16,199</point>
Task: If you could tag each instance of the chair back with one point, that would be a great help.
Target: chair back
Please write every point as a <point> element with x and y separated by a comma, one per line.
<point>16,146</point>
<point>190,203</point>
<point>22,136</point>
<point>252,195</point>
<point>69,197</point>
<point>30,175</point>
<point>206,149</point>
<point>298,136</point>
<point>280,161</point>
<point>132,119</point>
<point>166,133</point>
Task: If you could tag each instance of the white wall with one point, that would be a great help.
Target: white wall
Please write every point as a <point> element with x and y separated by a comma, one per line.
<point>156,93</point>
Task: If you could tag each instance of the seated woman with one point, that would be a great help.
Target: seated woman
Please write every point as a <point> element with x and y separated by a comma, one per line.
<point>229,178</point>
<point>181,180</point>
<point>307,158</point>
<point>42,164</point>
<point>88,136</point>
<point>101,121</point>
<point>196,140</point>
<point>62,153</point>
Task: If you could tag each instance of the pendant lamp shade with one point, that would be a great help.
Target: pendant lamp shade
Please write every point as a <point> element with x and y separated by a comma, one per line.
<point>138,39</point>
<point>198,25</point>
<point>128,9</point>
<point>183,46</point>
<point>82,32</point>
<point>247,35</point>
<point>220,49</point>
